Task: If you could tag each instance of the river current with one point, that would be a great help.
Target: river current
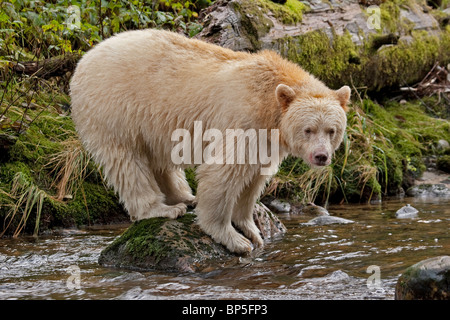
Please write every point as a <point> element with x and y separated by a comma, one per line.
<point>362,260</point>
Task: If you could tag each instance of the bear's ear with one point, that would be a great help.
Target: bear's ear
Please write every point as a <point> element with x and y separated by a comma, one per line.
<point>285,95</point>
<point>343,96</point>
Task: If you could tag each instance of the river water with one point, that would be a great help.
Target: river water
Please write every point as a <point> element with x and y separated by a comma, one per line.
<point>362,260</point>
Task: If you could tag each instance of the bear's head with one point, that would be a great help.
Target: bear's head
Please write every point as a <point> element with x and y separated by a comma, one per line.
<point>312,123</point>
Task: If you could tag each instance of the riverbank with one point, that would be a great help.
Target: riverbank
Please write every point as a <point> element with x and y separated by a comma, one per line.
<point>48,181</point>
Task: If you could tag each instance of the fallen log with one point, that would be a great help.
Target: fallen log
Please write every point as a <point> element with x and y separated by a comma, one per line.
<point>48,68</point>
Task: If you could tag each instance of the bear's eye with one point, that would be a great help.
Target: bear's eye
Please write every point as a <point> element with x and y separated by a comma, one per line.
<point>307,131</point>
<point>331,132</point>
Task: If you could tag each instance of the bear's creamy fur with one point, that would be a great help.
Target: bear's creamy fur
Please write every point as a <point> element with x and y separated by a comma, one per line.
<point>133,90</point>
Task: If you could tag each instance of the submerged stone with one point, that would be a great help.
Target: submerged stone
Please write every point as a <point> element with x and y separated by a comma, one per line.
<point>326,220</point>
<point>176,245</point>
<point>426,280</point>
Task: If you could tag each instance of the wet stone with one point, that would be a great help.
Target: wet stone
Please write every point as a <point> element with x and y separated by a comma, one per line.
<point>429,190</point>
<point>326,220</point>
<point>443,144</point>
<point>427,280</point>
<point>407,212</point>
<point>279,206</point>
<point>268,223</point>
<point>313,210</point>
<point>162,244</point>
<point>177,245</point>
<point>309,209</point>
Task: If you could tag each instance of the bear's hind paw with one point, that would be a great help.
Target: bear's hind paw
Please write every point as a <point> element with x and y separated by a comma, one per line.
<point>174,211</point>
<point>171,212</point>
<point>191,201</point>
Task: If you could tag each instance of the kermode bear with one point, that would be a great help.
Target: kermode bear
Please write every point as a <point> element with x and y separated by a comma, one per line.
<point>132,92</point>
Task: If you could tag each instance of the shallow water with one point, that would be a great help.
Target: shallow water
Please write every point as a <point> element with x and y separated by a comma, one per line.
<point>362,260</point>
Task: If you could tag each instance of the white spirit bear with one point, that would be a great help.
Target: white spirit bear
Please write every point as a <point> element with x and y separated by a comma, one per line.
<point>133,90</point>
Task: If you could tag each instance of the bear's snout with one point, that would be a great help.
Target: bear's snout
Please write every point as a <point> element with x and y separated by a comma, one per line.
<point>321,158</point>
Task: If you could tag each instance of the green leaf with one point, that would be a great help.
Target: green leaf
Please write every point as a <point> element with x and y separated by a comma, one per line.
<point>161,16</point>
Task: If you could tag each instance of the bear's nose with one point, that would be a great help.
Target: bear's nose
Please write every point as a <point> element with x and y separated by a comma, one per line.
<point>320,159</point>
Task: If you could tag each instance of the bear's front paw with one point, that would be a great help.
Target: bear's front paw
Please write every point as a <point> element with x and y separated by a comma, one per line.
<point>240,245</point>
<point>227,235</point>
<point>236,242</point>
<point>251,231</point>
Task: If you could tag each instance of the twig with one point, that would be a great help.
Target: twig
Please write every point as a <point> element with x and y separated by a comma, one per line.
<point>417,96</point>
<point>100,18</point>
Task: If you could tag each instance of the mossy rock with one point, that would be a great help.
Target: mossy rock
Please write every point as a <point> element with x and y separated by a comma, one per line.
<point>176,245</point>
<point>162,244</point>
<point>427,280</point>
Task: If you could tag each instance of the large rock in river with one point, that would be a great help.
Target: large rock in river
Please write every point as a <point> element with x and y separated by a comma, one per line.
<point>426,280</point>
<point>177,245</point>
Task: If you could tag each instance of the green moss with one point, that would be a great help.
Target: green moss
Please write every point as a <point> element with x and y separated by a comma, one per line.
<point>335,59</point>
<point>9,169</point>
<point>289,13</point>
<point>390,15</point>
<point>140,239</point>
<point>156,238</point>
<point>404,63</point>
<point>403,134</point>
<point>254,19</point>
<point>164,244</point>
<point>191,179</point>
<point>325,58</point>
<point>187,219</point>
<point>93,203</point>
<point>42,138</point>
<point>256,24</point>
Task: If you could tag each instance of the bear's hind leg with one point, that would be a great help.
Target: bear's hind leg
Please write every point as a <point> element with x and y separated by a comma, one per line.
<point>132,177</point>
<point>175,187</point>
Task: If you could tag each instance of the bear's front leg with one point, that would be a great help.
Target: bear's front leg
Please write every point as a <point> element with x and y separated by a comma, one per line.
<point>242,216</point>
<point>219,188</point>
